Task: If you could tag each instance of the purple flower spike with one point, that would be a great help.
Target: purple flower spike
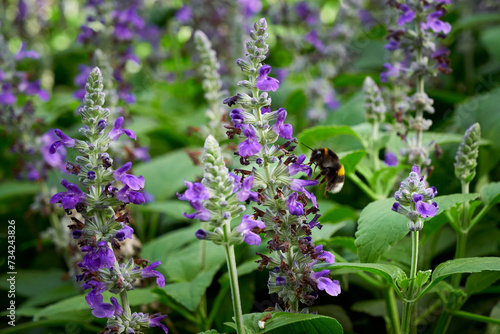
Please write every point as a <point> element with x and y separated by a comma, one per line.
<point>6,96</point>
<point>184,14</point>
<point>390,159</point>
<point>246,192</point>
<point>417,197</point>
<point>282,129</point>
<point>295,207</point>
<point>133,182</point>
<point>246,226</point>
<point>326,284</point>
<point>264,82</point>
<point>201,213</point>
<point>118,308</point>
<point>68,199</point>
<point>435,24</point>
<point>416,169</point>
<point>125,233</point>
<point>251,145</point>
<point>155,322</point>
<point>98,257</point>
<point>237,117</point>
<point>280,280</point>
<point>99,308</point>
<point>407,16</point>
<point>299,167</point>
<point>23,53</point>
<point>117,130</point>
<point>426,210</point>
<point>149,272</point>
<point>201,234</point>
<point>129,196</point>
<point>195,192</point>
<point>65,141</point>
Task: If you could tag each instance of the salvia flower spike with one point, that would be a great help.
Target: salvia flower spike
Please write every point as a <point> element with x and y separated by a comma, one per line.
<point>103,228</point>
<point>467,153</point>
<point>415,200</point>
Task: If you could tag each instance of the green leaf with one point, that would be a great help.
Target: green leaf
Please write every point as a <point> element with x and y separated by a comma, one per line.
<point>351,159</point>
<point>344,242</point>
<point>189,294</point>
<point>388,272</point>
<point>78,303</point>
<point>490,39</point>
<point>477,282</point>
<point>159,249</point>
<point>375,308</point>
<point>379,228</point>
<point>28,282</point>
<point>339,213</point>
<point>350,112</point>
<point>162,173</point>
<point>14,188</point>
<point>446,202</point>
<point>460,266</point>
<point>490,193</point>
<point>292,323</point>
<point>173,209</point>
<point>474,21</point>
<point>422,277</point>
<point>317,136</point>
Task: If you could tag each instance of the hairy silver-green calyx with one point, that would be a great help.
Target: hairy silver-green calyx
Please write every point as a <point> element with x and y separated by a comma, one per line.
<point>121,279</point>
<point>132,325</point>
<point>467,153</point>
<point>374,103</point>
<point>222,204</point>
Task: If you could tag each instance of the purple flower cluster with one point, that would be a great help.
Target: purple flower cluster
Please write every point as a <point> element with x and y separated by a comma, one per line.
<point>414,200</point>
<point>123,25</point>
<point>419,25</point>
<point>102,229</point>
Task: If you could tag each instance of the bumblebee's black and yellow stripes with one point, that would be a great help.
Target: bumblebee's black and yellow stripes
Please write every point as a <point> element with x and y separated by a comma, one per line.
<point>332,170</point>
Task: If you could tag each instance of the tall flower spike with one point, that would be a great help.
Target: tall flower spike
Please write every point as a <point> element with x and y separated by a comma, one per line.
<point>374,103</point>
<point>102,229</point>
<point>414,200</point>
<point>467,153</point>
<point>212,85</point>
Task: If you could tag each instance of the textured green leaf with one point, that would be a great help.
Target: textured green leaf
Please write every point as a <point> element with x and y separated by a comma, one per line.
<point>15,188</point>
<point>388,272</point>
<point>189,293</point>
<point>490,193</point>
<point>159,249</point>
<point>375,308</point>
<point>490,38</point>
<point>338,213</point>
<point>477,282</point>
<point>173,209</point>
<point>350,112</point>
<point>162,173</point>
<point>78,303</point>
<point>379,228</point>
<point>292,323</point>
<point>460,266</point>
<point>315,137</point>
<point>344,242</point>
<point>351,159</point>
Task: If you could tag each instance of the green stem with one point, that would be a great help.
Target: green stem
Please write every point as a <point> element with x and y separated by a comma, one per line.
<point>476,317</point>
<point>392,309</point>
<point>462,236</point>
<point>409,303</point>
<point>233,279</point>
<point>125,304</point>
<point>374,152</point>
<point>354,178</point>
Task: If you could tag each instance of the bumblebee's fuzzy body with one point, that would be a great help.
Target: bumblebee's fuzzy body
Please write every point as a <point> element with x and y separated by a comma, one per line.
<point>332,170</point>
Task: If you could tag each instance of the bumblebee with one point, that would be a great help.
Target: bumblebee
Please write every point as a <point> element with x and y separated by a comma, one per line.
<point>332,170</point>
